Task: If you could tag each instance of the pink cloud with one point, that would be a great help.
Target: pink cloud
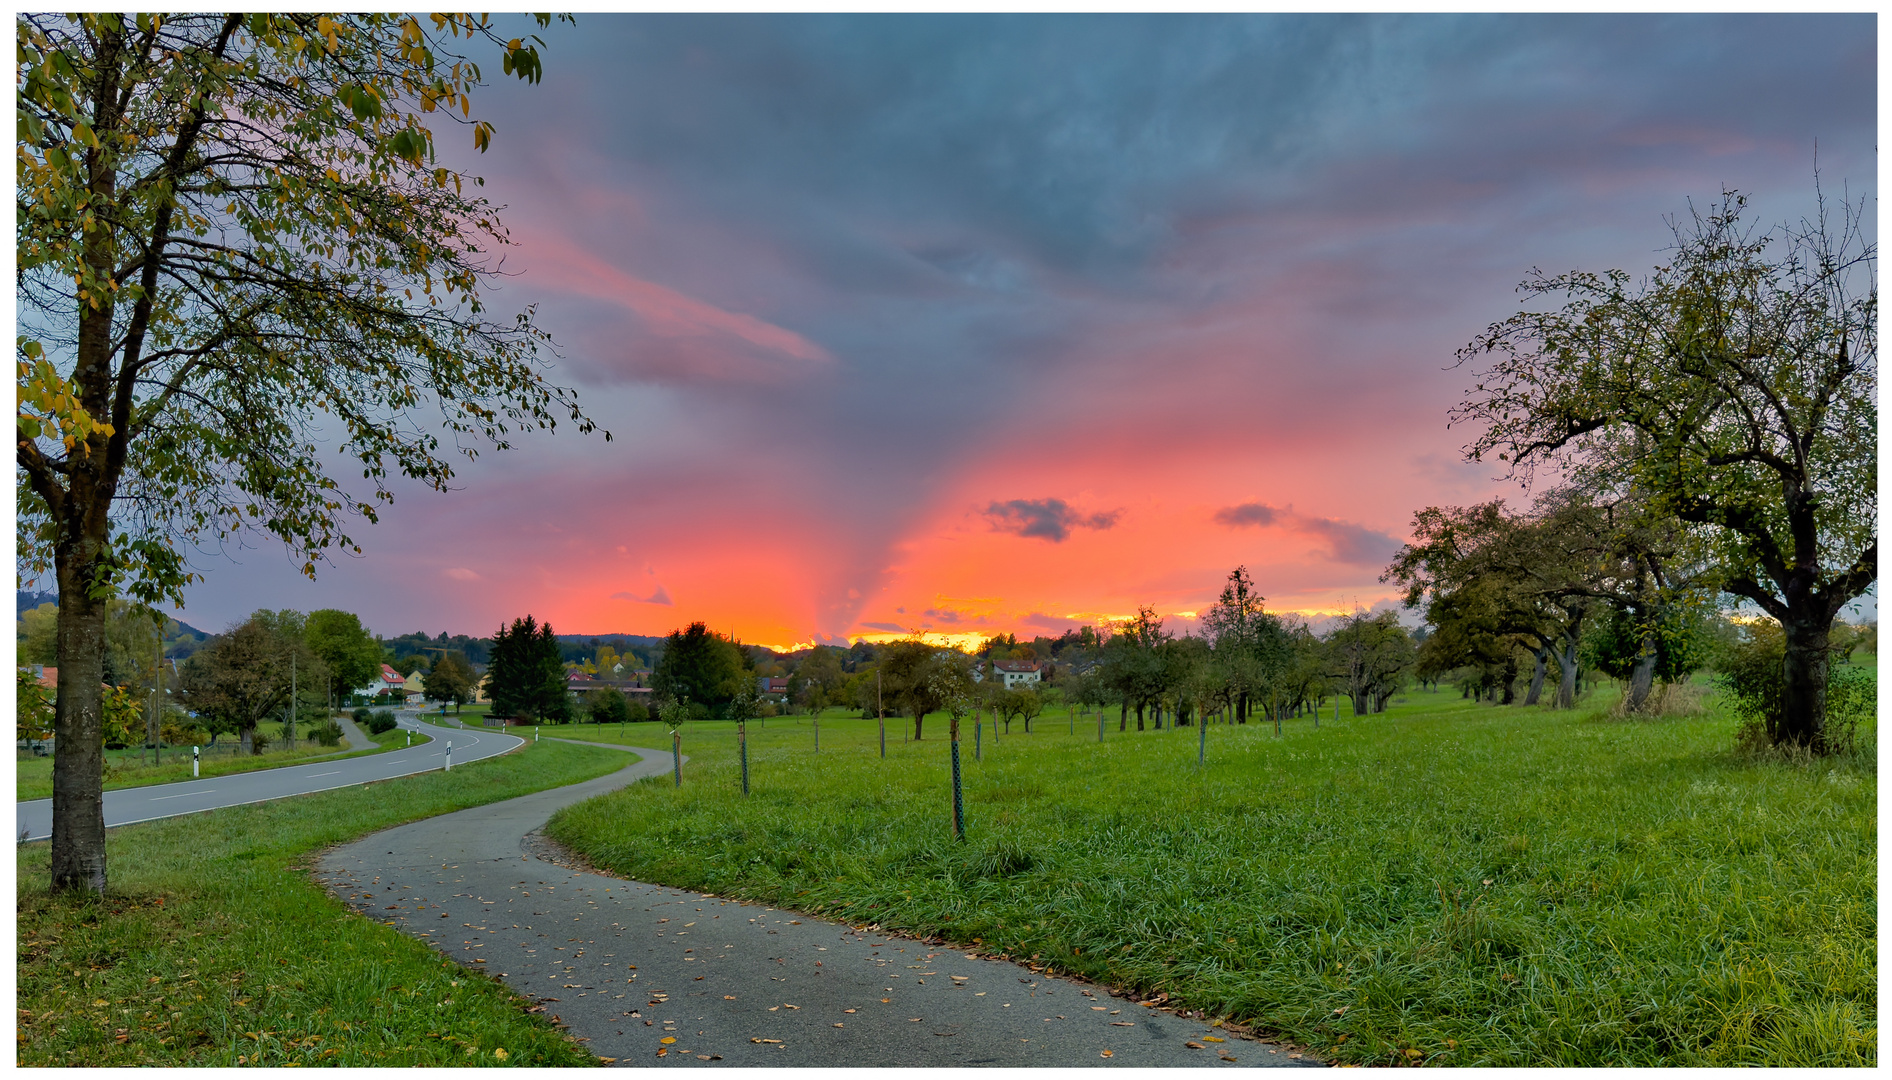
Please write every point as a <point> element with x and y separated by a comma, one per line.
<point>669,314</point>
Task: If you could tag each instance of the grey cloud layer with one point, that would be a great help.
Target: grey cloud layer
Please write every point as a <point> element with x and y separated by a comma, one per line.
<point>978,217</point>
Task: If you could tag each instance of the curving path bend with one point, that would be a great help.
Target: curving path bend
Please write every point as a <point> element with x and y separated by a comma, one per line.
<point>752,986</point>
<point>127,806</point>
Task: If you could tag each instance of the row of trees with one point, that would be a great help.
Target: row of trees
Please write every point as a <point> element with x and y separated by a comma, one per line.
<point>1712,434</point>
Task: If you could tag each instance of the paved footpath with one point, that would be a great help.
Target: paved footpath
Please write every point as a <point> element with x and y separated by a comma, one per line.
<point>752,986</point>
<point>126,806</point>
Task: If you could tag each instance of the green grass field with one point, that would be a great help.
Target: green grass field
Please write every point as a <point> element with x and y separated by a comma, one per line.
<point>134,768</point>
<point>1449,883</point>
<point>213,948</point>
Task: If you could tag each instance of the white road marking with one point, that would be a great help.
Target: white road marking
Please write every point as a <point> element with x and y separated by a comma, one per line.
<point>314,775</point>
<point>186,795</point>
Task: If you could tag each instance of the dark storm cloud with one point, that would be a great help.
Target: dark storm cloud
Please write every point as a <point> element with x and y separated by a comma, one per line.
<point>1046,519</point>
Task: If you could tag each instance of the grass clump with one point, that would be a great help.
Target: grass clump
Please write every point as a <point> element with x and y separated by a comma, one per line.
<point>213,947</point>
<point>1448,883</point>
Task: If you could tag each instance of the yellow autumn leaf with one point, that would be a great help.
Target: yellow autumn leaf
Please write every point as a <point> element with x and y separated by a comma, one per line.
<point>668,1039</point>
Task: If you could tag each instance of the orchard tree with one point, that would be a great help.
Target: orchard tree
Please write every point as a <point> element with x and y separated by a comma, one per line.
<point>1737,388</point>
<point>236,257</point>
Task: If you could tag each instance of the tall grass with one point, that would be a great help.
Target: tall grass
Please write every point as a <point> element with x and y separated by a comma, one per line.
<point>1449,883</point>
<point>213,948</point>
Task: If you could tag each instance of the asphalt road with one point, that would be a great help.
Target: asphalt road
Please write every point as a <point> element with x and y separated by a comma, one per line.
<point>128,805</point>
<point>607,957</point>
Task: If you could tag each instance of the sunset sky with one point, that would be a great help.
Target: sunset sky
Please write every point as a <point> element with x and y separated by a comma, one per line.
<point>1014,324</point>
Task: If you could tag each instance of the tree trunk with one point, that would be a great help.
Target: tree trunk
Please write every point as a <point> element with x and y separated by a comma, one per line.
<point>917,721</point>
<point>1540,655</point>
<point>1567,684</point>
<point>1139,716</point>
<point>1123,715</point>
<point>1803,686</point>
<point>78,854</point>
<point>1642,676</point>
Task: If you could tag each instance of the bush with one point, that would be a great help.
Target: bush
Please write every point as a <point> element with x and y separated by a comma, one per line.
<point>379,721</point>
<point>1753,672</point>
<point>637,712</point>
<point>362,715</point>
<point>329,734</point>
<point>606,706</point>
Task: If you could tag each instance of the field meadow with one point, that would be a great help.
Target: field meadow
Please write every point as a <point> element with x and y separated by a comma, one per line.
<point>1449,883</point>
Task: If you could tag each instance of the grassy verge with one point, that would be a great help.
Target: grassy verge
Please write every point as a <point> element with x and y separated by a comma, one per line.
<point>213,947</point>
<point>133,768</point>
<point>1451,883</point>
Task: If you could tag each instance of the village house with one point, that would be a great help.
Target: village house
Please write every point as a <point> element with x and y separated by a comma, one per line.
<point>389,682</point>
<point>1018,672</point>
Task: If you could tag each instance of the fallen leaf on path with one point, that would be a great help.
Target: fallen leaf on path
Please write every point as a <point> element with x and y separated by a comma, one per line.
<point>1195,1046</point>
<point>837,1025</point>
<point>1213,1038</point>
<point>1105,1054</point>
<point>729,997</point>
<point>765,1040</point>
<point>668,1039</point>
<point>1123,1023</point>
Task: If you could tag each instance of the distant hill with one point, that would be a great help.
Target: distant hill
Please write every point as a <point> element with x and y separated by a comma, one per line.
<point>27,601</point>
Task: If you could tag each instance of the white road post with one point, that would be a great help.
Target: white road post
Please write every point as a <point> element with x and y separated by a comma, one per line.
<point>449,755</point>
<point>193,763</point>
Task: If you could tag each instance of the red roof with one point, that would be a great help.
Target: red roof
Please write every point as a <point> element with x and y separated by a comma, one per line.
<point>1016,665</point>
<point>392,677</point>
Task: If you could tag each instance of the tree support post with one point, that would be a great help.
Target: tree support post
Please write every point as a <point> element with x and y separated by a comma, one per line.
<point>977,727</point>
<point>1202,740</point>
<point>676,756</point>
<point>742,745</point>
<point>959,802</point>
<point>817,736</point>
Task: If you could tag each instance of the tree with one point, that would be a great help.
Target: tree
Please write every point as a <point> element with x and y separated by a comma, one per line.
<point>818,679</point>
<point>1737,387</point>
<point>244,676</point>
<point>700,666</point>
<point>38,635</point>
<point>606,705</point>
<point>1370,652</point>
<point>235,255</point>
<point>907,670</point>
<point>451,679</point>
<point>32,708</point>
<point>1251,647</point>
<point>525,677</point>
<point>351,656</point>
